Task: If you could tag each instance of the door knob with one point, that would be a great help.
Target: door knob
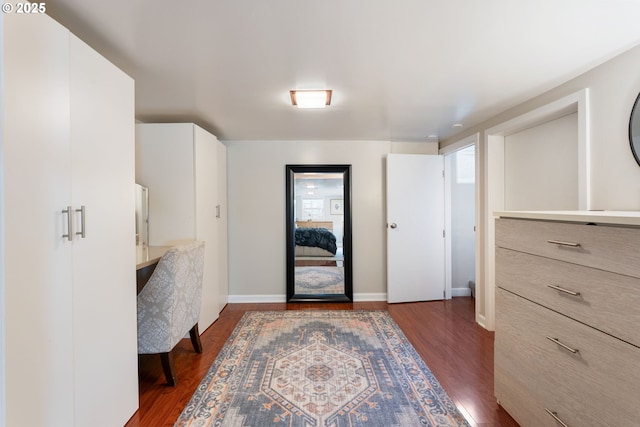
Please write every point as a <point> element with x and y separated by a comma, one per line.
<point>393,225</point>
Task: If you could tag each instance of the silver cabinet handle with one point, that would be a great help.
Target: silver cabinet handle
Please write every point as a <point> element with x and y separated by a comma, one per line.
<point>555,417</point>
<point>69,235</point>
<point>217,211</point>
<point>566,347</point>
<point>561,243</point>
<point>393,225</point>
<point>82,232</point>
<point>566,291</point>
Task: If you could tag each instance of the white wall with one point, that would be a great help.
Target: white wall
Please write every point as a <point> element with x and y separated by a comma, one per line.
<point>257,259</point>
<point>541,166</point>
<point>614,175</point>
<point>613,88</point>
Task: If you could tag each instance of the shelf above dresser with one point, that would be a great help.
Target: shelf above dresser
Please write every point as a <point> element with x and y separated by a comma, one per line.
<point>626,218</point>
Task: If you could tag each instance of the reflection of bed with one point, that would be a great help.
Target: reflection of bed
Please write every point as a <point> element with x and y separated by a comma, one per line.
<point>315,224</point>
<point>315,239</point>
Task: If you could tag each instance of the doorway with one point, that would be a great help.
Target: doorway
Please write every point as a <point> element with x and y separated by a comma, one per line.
<point>409,184</point>
<point>460,214</point>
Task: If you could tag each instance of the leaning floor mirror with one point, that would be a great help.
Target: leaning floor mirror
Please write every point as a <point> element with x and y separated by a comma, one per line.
<point>318,220</point>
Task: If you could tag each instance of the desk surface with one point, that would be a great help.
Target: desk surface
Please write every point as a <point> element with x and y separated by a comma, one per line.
<point>148,255</point>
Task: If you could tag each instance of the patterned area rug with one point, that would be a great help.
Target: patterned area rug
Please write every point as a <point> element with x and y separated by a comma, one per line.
<point>319,280</point>
<point>319,368</point>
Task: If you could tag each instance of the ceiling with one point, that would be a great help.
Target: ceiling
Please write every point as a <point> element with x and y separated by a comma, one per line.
<point>400,70</point>
<point>318,185</point>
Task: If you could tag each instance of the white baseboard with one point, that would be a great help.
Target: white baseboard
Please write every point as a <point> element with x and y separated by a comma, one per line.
<point>460,292</point>
<point>481,321</point>
<point>237,299</point>
<point>369,297</point>
<point>363,297</point>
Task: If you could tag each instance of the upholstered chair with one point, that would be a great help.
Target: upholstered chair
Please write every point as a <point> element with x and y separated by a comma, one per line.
<point>169,304</point>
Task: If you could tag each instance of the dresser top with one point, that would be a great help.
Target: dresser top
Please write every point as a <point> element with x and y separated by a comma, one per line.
<point>598,217</point>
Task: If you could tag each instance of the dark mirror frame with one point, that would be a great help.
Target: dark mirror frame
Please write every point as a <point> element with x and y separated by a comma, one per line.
<point>634,121</point>
<point>290,224</point>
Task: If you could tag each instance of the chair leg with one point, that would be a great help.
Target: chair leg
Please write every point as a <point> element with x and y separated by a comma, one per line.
<point>195,339</point>
<point>167,367</point>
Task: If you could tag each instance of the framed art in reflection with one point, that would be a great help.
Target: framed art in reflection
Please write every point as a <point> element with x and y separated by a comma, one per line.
<point>337,207</point>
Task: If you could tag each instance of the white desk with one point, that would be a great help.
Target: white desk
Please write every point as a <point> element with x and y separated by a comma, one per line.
<point>147,258</point>
<point>148,255</point>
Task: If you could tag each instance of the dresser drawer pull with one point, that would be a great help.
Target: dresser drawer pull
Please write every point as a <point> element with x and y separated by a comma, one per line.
<point>566,347</point>
<point>556,417</point>
<point>561,243</point>
<point>566,291</point>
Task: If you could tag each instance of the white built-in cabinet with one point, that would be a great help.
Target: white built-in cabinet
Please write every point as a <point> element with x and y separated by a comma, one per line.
<point>185,169</point>
<point>69,246</point>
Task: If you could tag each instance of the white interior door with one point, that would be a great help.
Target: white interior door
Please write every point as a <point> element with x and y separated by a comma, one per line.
<point>415,228</point>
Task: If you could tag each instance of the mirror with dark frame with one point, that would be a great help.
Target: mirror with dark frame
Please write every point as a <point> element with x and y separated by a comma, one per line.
<point>634,130</point>
<point>318,220</point>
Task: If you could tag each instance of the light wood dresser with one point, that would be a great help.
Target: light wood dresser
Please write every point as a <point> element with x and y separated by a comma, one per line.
<point>567,342</point>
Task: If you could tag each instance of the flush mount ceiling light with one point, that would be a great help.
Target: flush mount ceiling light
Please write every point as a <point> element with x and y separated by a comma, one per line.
<point>310,98</point>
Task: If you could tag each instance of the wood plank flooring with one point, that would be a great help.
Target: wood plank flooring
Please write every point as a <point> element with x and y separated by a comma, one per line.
<point>457,350</point>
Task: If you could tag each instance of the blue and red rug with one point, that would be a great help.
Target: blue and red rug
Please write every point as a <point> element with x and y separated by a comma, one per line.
<point>319,368</point>
<point>319,280</point>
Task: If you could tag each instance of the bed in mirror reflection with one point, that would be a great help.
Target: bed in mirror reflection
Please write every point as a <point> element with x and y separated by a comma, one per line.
<point>319,259</point>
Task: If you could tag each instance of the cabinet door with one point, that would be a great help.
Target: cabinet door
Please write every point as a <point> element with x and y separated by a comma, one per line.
<point>206,225</point>
<point>37,187</point>
<point>104,289</point>
<point>223,269</point>
<point>164,163</point>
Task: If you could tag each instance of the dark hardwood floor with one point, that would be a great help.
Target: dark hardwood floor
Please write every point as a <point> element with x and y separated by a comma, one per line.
<point>457,350</point>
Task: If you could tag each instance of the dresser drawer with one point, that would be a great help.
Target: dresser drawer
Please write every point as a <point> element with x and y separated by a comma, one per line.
<point>599,385</point>
<point>514,394</point>
<point>604,247</point>
<point>601,293</point>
